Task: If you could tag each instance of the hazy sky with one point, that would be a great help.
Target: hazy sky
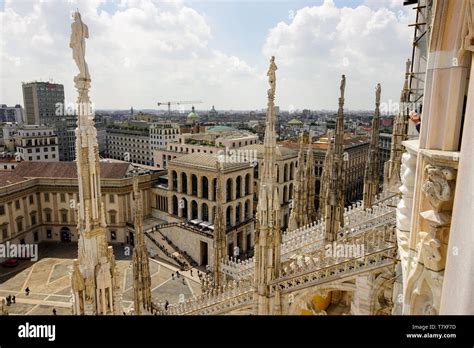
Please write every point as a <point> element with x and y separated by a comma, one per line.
<point>142,51</point>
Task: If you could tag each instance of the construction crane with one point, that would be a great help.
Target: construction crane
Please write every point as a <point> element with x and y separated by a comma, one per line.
<point>169,103</point>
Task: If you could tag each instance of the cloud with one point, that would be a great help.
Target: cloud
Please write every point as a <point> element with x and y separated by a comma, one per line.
<point>369,45</point>
<point>144,52</point>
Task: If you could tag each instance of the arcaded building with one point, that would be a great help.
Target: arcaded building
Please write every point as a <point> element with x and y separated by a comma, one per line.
<point>191,199</point>
<point>38,201</point>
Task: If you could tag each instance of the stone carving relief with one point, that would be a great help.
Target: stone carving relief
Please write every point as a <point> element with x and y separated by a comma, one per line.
<point>423,292</point>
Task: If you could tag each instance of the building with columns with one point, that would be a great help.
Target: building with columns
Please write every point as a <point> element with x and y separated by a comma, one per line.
<point>191,195</point>
<point>213,140</point>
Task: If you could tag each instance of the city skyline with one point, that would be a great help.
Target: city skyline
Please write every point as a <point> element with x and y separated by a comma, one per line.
<point>143,52</point>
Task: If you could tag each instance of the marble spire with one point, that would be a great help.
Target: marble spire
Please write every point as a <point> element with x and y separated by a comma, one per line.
<point>310,179</point>
<point>325,175</point>
<point>334,200</point>
<point>219,240</point>
<point>267,236</point>
<point>372,175</point>
<point>95,284</point>
<point>140,258</point>
<point>298,215</point>
<point>303,209</point>
<point>392,180</point>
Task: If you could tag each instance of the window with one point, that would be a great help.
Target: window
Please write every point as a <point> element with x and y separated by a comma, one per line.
<point>2,209</point>
<point>64,216</point>
<point>111,198</point>
<point>35,236</point>
<point>48,216</point>
<point>62,197</point>
<point>33,219</point>
<point>31,199</point>
<point>17,204</point>
<point>19,225</point>
<point>113,235</point>
<point>49,234</point>
<point>112,219</point>
<point>46,197</point>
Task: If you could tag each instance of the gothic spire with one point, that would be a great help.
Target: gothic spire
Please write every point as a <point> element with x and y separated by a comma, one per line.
<point>267,236</point>
<point>219,230</point>
<point>334,211</point>
<point>325,175</point>
<point>310,179</point>
<point>140,261</point>
<point>297,206</point>
<point>99,291</point>
<point>371,175</point>
<point>392,166</point>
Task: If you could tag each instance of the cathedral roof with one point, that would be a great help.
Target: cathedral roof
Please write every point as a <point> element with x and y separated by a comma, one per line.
<point>68,170</point>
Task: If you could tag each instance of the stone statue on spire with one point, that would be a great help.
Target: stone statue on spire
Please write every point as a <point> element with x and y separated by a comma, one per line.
<point>343,86</point>
<point>272,77</point>
<point>79,34</point>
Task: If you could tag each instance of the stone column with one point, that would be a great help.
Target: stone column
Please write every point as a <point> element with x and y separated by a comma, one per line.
<point>199,186</point>
<point>458,287</point>
<point>211,189</point>
<point>446,70</point>
<point>180,183</point>
<point>360,304</point>
<point>189,179</point>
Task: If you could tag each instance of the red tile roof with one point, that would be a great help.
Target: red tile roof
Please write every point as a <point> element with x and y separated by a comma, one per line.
<point>8,178</point>
<point>67,170</point>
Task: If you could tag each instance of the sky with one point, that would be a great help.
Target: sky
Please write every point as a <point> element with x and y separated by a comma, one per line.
<point>141,52</point>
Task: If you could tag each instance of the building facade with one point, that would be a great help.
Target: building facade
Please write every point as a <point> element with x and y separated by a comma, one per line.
<point>37,143</point>
<point>191,198</point>
<point>11,113</point>
<point>129,144</point>
<point>212,140</point>
<point>40,100</point>
<point>38,201</point>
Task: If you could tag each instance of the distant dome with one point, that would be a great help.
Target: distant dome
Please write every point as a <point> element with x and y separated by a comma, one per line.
<point>295,122</point>
<point>193,116</point>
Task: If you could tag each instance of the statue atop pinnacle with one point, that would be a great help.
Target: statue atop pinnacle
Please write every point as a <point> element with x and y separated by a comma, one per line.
<point>79,34</point>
